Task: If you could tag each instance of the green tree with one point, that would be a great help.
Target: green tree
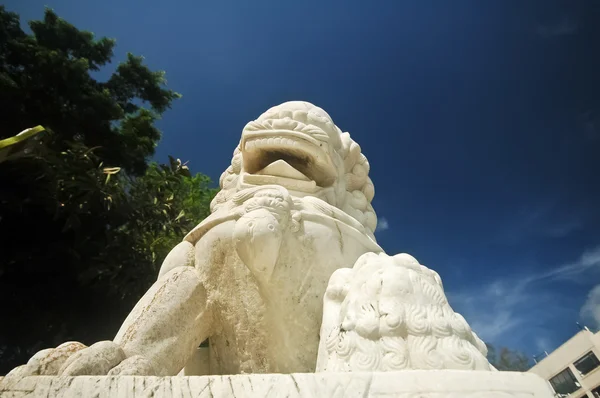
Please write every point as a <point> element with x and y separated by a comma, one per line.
<point>508,360</point>
<point>45,79</point>
<point>85,219</point>
<point>162,206</point>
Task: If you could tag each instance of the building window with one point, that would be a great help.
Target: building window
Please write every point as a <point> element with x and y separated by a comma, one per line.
<point>564,382</point>
<point>596,392</point>
<point>587,363</point>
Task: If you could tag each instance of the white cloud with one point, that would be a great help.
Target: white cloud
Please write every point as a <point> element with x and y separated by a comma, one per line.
<point>513,306</point>
<point>494,309</point>
<point>590,259</point>
<point>497,325</point>
<point>590,311</point>
<point>546,219</point>
<point>382,224</point>
<point>542,344</point>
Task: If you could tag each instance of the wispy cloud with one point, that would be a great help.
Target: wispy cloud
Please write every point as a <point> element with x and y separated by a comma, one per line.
<point>542,344</point>
<point>562,229</point>
<point>511,306</point>
<point>382,224</point>
<point>546,219</point>
<point>590,311</point>
<point>492,310</point>
<point>567,26</point>
<point>588,260</point>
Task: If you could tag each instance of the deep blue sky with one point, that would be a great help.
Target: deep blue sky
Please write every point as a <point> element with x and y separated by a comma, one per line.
<point>481,121</point>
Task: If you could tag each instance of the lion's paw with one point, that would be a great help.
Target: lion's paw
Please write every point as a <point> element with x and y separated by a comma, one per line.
<point>97,359</point>
<point>47,362</point>
<point>136,365</point>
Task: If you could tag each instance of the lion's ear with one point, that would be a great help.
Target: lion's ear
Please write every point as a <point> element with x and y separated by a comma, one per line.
<point>357,168</point>
<point>224,175</point>
<point>236,160</point>
<point>369,190</point>
<point>228,180</point>
<point>360,188</point>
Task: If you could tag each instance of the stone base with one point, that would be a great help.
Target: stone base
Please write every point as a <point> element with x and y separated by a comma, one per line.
<point>405,384</point>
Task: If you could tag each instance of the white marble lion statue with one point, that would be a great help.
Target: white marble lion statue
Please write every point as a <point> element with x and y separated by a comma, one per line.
<point>253,278</point>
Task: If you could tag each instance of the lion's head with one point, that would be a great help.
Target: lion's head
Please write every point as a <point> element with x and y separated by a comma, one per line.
<point>296,145</point>
<point>390,313</point>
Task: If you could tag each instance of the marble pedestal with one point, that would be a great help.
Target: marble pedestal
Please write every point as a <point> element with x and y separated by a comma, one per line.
<point>405,384</point>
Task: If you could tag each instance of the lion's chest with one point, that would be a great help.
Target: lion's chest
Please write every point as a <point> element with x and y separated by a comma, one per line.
<point>270,324</point>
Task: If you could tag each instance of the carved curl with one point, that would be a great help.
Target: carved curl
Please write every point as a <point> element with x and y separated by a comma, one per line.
<point>394,310</point>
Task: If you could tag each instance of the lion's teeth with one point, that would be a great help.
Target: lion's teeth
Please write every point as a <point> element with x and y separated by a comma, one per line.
<point>270,142</point>
<point>273,142</point>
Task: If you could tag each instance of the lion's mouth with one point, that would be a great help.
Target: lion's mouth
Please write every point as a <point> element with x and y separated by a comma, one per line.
<point>286,157</point>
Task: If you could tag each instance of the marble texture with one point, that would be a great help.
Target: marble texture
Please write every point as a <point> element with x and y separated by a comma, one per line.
<point>390,313</point>
<point>294,207</point>
<point>293,219</point>
<point>405,384</point>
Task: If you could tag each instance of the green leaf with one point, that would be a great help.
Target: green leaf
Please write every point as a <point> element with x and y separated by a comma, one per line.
<point>22,136</point>
<point>105,228</point>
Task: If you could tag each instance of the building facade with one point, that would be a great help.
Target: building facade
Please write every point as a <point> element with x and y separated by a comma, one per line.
<point>573,369</point>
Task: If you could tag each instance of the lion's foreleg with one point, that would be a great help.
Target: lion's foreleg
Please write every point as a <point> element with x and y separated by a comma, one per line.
<point>181,255</point>
<point>169,321</point>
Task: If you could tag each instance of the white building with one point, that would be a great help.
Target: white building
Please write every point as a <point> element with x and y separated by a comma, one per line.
<point>573,369</point>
